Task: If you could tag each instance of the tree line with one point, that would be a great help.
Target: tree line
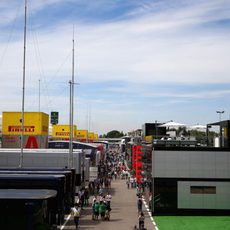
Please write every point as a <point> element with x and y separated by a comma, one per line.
<point>113,134</point>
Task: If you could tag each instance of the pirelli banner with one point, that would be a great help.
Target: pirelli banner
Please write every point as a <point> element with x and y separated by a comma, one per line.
<point>35,123</point>
<point>90,136</point>
<point>35,129</point>
<point>63,131</point>
<point>82,135</point>
<point>95,136</point>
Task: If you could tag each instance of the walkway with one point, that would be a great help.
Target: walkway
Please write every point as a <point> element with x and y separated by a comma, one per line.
<point>123,214</point>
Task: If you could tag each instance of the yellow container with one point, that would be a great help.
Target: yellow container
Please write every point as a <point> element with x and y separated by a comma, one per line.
<point>95,136</point>
<point>81,134</point>
<point>91,136</point>
<point>35,123</point>
<point>63,131</point>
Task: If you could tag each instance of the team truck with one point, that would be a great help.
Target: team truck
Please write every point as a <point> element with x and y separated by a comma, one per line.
<point>50,159</point>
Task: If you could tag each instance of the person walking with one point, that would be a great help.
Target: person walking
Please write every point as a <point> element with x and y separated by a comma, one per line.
<point>86,197</point>
<point>107,210</point>
<point>101,191</point>
<point>108,197</point>
<point>150,201</point>
<point>132,182</point>
<point>93,209</point>
<point>76,212</point>
<point>141,220</point>
<point>139,193</point>
<point>96,210</point>
<point>115,175</point>
<point>139,205</point>
<point>127,183</point>
<point>82,197</point>
<point>102,210</point>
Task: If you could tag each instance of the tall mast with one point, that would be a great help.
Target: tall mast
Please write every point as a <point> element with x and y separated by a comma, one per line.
<point>39,95</point>
<point>23,90</point>
<point>70,118</point>
<point>72,105</point>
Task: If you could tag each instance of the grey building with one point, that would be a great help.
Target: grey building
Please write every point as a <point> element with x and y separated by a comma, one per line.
<point>191,180</point>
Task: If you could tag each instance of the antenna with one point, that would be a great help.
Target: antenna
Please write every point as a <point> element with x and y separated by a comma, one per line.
<point>71,106</point>
<point>70,122</point>
<point>39,95</point>
<point>23,91</point>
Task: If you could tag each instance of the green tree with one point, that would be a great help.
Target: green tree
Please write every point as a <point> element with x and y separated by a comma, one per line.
<point>114,134</point>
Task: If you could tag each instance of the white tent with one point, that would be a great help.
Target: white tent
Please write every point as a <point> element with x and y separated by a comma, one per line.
<point>197,127</point>
<point>172,124</point>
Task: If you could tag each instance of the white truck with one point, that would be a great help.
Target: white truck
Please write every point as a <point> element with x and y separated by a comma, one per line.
<point>45,158</point>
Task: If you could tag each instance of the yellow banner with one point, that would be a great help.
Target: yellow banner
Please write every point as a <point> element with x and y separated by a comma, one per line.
<point>91,136</point>
<point>81,134</point>
<point>63,131</point>
<point>95,136</point>
<point>35,123</point>
<point>148,138</point>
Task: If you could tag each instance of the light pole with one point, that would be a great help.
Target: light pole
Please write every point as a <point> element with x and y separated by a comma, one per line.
<point>156,128</point>
<point>220,113</point>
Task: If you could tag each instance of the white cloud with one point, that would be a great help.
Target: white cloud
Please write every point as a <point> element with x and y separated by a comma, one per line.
<point>122,50</point>
<point>154,47</point>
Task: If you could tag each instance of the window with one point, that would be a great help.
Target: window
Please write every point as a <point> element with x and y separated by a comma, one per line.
<point>203,189</point>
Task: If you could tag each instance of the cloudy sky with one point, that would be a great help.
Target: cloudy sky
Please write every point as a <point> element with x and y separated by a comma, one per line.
<point>136,61</point>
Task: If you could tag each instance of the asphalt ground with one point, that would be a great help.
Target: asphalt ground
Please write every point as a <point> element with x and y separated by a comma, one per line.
<point>123,215</point>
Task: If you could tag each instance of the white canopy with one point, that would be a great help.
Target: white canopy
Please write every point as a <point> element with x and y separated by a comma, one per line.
<point>197,126</point>
<point>172,124</point>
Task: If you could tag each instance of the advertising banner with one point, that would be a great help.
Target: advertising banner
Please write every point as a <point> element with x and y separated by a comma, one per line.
<point>81,135</point>
<point>35,123</point>
<point>95,136</point>
<point>63,131</point>
<point>137,161</point>
<point>91,136</point>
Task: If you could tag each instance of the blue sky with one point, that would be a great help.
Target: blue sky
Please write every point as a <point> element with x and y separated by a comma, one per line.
<point>136,61</point>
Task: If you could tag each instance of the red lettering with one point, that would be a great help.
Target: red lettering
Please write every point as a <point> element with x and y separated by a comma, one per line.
<point>17,128</point>
<point>62,133</point>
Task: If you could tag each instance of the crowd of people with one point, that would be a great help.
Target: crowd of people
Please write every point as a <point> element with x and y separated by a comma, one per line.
<point>109,169</point>
<point>101,206</point>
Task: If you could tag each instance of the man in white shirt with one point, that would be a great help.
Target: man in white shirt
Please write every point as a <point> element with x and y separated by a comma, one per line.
<point>76,212</point>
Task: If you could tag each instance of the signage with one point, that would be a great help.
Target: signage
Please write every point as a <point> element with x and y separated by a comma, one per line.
<point>137,161</point>
<point>90,137</point>
<point>63,131</point>
<point>134,157</point>
<point>54,118</point>
<point>35,123</point>
<point>93,173</point>
<point>81,134</point>
<point>95,136</point>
